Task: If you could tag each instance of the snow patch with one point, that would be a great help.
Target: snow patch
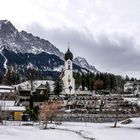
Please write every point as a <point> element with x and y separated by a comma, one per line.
<point>5,63</point>
<point>59,69</point>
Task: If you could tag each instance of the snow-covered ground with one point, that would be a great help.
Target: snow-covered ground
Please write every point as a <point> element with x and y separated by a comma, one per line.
<point>34,133</point>
<point>105,131</point>
<point>99,131</point>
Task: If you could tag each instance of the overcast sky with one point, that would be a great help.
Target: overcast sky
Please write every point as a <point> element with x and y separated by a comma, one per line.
<point>105,32</point>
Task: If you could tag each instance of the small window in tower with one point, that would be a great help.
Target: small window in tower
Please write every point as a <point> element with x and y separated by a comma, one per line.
<point>68,67</point>
<point>69,62</point>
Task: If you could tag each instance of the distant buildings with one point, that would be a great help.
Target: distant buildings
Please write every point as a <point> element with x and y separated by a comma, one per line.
<point>9,109</point>
<point>39,92</point>
<point>7,92</point>
<point>129,86</point>
<point>15,99</point>
<point>132,87</point>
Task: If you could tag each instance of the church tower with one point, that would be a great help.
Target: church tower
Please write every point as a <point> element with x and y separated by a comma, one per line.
<point>68,80</point>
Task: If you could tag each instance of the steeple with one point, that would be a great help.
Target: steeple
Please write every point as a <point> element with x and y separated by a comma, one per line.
<point>68,54</point>
<point>68,80</point>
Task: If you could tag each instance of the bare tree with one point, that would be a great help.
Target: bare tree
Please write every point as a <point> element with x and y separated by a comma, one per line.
<point>49,110</point>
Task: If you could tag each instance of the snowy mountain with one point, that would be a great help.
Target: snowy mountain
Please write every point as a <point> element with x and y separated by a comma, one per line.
<point>24,42</point>
<point>21,49</point>
<point>82,62</point>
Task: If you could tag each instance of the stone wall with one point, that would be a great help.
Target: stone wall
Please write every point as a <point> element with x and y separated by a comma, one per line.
<point>98,118</point>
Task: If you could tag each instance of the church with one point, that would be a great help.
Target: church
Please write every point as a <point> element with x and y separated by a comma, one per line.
<point>68,80</point>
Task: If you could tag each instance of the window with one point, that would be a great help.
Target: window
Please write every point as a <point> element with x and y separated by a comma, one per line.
<point>68,67</point>
<point>69,62</point>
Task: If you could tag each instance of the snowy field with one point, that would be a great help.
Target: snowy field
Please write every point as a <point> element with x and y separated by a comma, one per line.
<point>33,133</point>
<point>99,131</point>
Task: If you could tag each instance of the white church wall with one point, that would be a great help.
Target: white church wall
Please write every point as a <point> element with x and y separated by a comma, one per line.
<point>68,80</point>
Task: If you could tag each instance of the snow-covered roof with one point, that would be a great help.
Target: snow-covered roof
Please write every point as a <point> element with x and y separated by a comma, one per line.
<point>58,68</point>
<point>13,108</point>
<point>27,85</point>
<point>7,103</point>
<point>6,89</point>
<point>10,106</point>
<point>133,100</point>
<point>42,87</point>
<point>129,84</point>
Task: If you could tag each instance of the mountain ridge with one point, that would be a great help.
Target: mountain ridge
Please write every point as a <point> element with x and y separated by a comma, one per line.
<point>14,43</point>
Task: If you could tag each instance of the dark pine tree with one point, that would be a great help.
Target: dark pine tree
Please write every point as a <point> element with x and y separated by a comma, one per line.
<point>77,77</point>
<point>48,89</point>
<point>11,77</point>
<point>83,82</point>
<point>58,86</point>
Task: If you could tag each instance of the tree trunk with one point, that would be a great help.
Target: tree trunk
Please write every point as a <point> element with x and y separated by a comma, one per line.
<point>116,120</point>
<point>117,113</point>
<point>46,125</point>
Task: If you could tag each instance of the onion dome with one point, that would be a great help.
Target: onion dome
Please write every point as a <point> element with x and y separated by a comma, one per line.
<point>68,55</point>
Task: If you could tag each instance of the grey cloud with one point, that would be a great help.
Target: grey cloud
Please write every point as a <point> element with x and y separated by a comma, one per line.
<point>115,55</point>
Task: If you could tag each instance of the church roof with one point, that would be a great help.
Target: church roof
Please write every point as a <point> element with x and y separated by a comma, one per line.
<point>41,87</point>
<point>68,55</point>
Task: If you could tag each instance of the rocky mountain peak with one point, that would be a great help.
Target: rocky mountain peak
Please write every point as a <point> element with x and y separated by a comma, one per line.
<point>6,27</point>
<point>82,62</point>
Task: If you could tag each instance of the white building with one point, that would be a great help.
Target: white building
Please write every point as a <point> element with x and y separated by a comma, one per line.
<point>68,80</point>
<point>129,86</point>
<point>137,89</point>
<point>132,87</point>
<point>7,92</point>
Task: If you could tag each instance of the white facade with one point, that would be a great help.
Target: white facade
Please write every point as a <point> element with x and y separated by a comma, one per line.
<point>6,89</point>
<point>137,88</point>
<point>68,80</point>
<point>132,86</point>
<point>128,86</point>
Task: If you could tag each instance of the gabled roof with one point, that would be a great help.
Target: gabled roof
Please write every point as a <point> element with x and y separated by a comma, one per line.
<point>41,87</point>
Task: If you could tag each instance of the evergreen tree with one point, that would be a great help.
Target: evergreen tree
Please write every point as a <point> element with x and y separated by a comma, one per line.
<point>48,90</point>
<point>48,87</point>
<point>1,77</point>
<point>92,80</point>
<point>87,81</point>
<point>31,76</point>
<point>77,77</point>
<point>58,86</point>
<point>127,78</point>
<point>83,82</point>
<point>11,77</point>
